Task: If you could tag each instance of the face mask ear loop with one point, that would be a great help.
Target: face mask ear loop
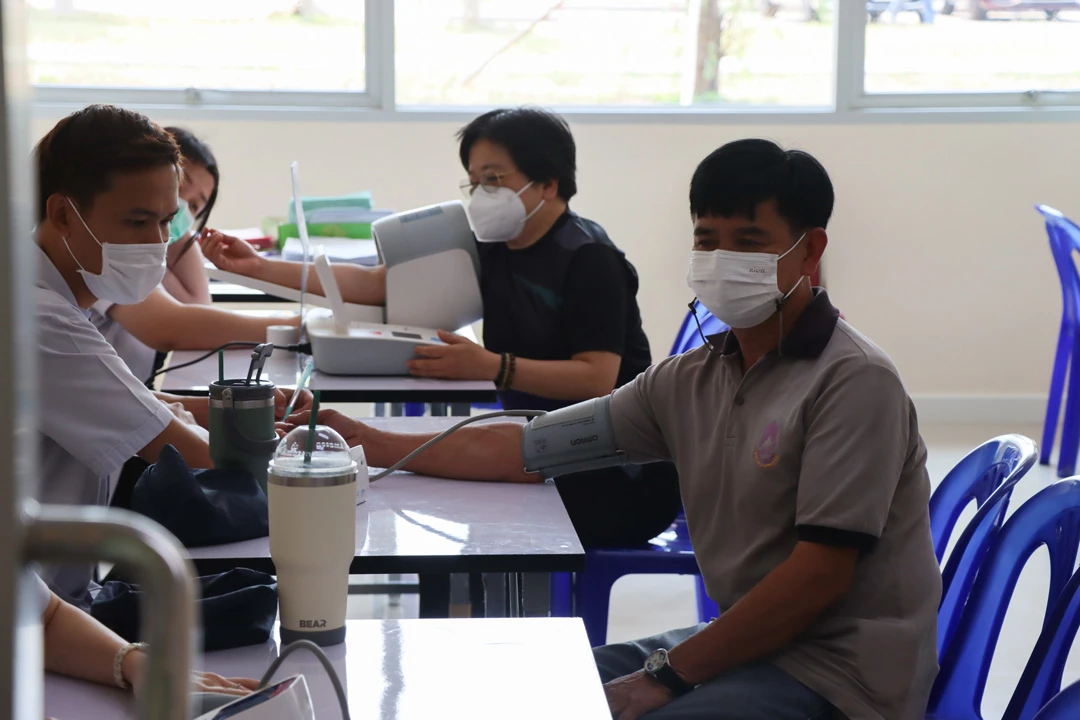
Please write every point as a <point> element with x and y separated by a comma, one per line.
<point>693,311</point>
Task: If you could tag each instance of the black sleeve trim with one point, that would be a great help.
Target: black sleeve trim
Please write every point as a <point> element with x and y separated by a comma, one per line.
<point>822,535</point>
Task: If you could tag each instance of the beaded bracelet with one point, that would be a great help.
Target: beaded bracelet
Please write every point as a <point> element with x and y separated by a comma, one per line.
<point>118,663</point>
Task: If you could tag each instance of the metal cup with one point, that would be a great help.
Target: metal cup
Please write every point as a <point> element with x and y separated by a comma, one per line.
<point>242,426</point>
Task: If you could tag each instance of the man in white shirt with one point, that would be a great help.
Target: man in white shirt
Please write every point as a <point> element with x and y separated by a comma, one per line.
<point>107,189</point>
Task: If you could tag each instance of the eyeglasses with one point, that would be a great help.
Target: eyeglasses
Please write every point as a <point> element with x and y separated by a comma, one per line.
<point>489,181</point>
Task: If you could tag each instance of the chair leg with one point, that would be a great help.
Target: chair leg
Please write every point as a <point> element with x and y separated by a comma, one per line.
<point>592,596</point>
<point>1057,385</point>
<point>561,593</point>
<point>1070,429</point>
<point>706,608</point>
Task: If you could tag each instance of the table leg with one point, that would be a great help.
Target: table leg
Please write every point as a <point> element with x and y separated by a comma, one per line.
<point>496,594</point>
<point>536,594</point>
<point>461,409</point>
<point>437,409</point>
<point>477,595</point>
<point>516,600</point>
<point>434,595</point>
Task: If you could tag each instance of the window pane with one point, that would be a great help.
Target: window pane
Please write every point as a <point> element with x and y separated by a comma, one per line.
<point>619,52</point>
<point>975,48</point>
<point>212,44</point>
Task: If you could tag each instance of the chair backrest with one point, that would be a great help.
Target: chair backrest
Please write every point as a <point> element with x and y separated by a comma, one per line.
<point>1050,518</point>
<point>1041,679</point>
<point>1064,706</point>
<point>986,475</point>
<point>688,336</point>
<point>1064,237</point>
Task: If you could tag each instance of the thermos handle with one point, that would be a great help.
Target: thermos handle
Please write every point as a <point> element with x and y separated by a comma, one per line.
<point>236,436</point>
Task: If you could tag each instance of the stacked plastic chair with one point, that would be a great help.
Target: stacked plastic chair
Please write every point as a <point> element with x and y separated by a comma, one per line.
<point>1064,236</point>
<point>987,476</point>
<point>1052,519</point>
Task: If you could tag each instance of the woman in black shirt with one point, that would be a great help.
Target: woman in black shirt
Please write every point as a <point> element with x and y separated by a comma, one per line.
<point>561,320</point>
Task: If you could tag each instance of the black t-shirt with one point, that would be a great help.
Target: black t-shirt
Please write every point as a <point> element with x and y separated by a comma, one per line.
<point>571,292</point>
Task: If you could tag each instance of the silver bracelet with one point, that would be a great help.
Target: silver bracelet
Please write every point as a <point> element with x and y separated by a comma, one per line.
<point>118,663</point>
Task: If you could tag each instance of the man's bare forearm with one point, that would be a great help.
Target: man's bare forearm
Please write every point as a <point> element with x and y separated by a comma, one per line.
<point>771,615</point>
<point>484,452</point>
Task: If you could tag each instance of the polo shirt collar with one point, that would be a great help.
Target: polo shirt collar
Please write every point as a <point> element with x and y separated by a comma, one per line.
<point>49,277</point>
<point>806,341</point>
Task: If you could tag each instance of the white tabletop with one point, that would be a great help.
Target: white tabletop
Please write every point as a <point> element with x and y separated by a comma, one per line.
<point>419,524</point>
<point>404,669</point>
<point>284,371</point>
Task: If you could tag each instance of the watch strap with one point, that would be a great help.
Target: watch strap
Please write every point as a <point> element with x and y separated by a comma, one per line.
<point>666,676</point>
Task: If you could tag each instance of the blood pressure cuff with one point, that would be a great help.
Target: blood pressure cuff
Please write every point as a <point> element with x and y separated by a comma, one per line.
<point>201,507</point>
<point>237,608</point>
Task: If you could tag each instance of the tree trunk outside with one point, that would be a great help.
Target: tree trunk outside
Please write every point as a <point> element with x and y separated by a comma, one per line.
<point>709,49</point>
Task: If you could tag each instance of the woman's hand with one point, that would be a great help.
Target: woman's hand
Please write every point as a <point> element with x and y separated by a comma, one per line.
<point>134,669</point>
<point>229,253</point>
<point>210,682</point>
<point>459,359</point>
<point>281,401</point>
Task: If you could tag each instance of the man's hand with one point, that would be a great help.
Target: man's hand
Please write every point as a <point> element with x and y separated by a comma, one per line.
<point>229,253</point>
<point>631,696</point>
<point>459,359</point>
<point>352,431</point>
<point>281,400</point>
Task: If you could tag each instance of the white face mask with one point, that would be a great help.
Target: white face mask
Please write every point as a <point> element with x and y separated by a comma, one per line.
<point>739,288</point>
<point>499,216</point>
<point>129,273</point>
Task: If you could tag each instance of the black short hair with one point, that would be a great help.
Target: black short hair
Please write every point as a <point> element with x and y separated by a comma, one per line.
<point>737,177</point>
<point>539,142</point>
<point>82,153</point>
<point>195,151</point>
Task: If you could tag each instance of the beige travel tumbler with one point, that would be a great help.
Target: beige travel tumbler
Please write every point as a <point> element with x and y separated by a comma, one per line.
<point>311,486</point>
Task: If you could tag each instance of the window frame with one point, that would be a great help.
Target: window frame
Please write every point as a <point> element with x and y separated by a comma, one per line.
<point>378,44</point>
<point>851,25</point>
<point>851,102</point>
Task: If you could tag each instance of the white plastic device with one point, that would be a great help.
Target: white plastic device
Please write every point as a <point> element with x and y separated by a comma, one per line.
<point>286,700</point>
<point>432,267</point>
<point>341,346</point>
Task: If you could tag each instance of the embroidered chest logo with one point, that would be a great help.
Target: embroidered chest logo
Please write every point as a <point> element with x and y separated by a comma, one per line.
<point>767,451</point>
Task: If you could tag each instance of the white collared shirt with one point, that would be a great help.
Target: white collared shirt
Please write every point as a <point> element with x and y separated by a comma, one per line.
<point>94,414</point>
<point>136,354</point>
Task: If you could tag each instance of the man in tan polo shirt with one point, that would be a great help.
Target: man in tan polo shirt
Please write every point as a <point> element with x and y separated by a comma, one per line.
<point>802,473</point>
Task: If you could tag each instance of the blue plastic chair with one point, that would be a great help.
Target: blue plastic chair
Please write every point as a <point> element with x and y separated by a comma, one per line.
<point>1064,238</point>
<point>986,475</point>
<point>1041,679</point>
<point>1050,518</point>
<point>1064,706</point>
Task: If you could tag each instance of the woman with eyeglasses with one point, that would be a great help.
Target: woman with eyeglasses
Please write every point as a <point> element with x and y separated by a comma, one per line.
<point>561,320</point>
<point>175,316</point>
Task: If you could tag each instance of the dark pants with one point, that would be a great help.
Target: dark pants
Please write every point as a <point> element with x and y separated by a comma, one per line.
<point>758,691</point>
<point>621,506</point>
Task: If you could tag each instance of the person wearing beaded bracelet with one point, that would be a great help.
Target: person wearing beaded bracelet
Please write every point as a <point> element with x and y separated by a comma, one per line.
<point>561,318</point>
<point>78,646</point>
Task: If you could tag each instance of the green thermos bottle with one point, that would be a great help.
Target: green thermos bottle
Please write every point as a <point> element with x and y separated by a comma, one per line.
<point>242,426</point>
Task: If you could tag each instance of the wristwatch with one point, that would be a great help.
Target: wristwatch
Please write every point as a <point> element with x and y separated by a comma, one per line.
<point>658,668</point>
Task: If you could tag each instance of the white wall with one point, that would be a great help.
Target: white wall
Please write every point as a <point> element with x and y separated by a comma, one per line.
<point>936,251</point>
